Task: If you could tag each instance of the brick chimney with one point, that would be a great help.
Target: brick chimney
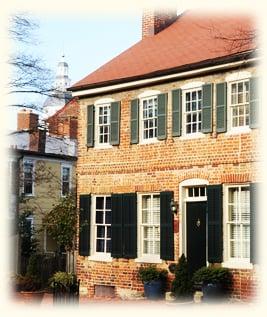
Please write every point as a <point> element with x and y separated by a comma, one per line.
<point>27,120</point>
<point>156,20</point>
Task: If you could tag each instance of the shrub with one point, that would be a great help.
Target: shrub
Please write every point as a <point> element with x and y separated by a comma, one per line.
<point>151,273</point>
<point>64,278</point>
<point>207,275</point>
<point>27,283</point>
<point>181,285</point>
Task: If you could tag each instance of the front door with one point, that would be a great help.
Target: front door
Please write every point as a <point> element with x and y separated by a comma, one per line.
<point>196,235</point>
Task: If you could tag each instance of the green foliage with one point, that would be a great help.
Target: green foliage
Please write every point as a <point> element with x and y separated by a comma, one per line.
<point>151,273</point>
<point>212,275</point>
<point>27,283</point>
<point>34,265</point>
<point>61,222</point>
<point>28,244</point>
<point>181,285</point>
<point>64,278</point>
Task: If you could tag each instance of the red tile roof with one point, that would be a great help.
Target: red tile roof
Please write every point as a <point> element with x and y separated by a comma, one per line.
<point>190,39</point>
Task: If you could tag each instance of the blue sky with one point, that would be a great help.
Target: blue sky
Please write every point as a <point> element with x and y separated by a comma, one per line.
<point>87,41</point>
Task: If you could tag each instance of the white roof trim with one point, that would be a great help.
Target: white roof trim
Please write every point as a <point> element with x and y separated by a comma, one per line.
<point>87,92</point>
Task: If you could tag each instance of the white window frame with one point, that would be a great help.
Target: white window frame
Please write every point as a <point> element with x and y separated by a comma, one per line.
<point>146,95</point>
<point>232,78</point>
<point>104,102</point>
<point>188,87</point>
<point>70,175</point>
<point>231,262</point>
<point>97,256</point>
<point>33,178</point>
<point>144,258</point>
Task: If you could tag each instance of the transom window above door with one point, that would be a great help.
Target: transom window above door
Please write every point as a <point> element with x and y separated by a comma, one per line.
<point>196,193</point>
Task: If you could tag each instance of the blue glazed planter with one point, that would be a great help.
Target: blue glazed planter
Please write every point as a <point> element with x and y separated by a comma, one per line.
<point>212,291</point>
<point>154,289</point>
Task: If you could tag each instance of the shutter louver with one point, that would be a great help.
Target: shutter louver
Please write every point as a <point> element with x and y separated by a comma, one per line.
<point>254,102</point>
<point>166,227</point>
<point>130,226</point>
<point>207,98</point>
<point>162,116</point>
<point>221,107</point>
<point>134,121</point>
<point>84,225</point>
<point>116,226</point>
<point>176,112</point>
<point>90,126</point>
<point>254,228</point>
<point>115,123</point>
<point>215,237</point>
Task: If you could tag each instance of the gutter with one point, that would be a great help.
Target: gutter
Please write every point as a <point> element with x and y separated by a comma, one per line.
<point>82,92</point>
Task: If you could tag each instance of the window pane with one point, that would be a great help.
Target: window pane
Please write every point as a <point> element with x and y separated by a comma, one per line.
<point>100,232</point>
<point>190,192</point>
<point>28,187</point>
<point>108,246</point>
<point>99,217</point>
<point>145,201</point>
<point>100,203</point>
<point>100,245</point>
<point>108,232</point>
<point>108,217</point>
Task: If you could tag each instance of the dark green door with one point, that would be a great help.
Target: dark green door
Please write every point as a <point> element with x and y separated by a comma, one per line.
<point>196,230</point>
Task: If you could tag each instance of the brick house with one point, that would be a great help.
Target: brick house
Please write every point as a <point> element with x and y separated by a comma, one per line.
<point>170,124</point>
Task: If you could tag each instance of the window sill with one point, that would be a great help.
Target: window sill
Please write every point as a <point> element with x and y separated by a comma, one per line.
<point>149,141</point>
<point>103,146</point>
<point>237,265</point>
<point>239,130</point>
<point>148,259</point>
<point>100,258</point>
<point>192,136</point>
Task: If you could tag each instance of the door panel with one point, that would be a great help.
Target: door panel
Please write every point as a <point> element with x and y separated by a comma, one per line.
<point>196,229</point>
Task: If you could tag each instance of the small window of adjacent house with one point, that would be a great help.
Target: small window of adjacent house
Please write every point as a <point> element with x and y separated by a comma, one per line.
<point>28,171</point>
<point>65,180</point>
<point>102,224</point>
<point>102,124</point>
<point>238,223</point>
<point>239,103</point>
<point>150,225</point>
<point>192,111</point>
<point>149,118</point>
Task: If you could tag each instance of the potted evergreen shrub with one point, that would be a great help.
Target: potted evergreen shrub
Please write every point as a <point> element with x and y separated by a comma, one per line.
<point>181,286</point>
<point>215,282</point>
<point>154,281</point>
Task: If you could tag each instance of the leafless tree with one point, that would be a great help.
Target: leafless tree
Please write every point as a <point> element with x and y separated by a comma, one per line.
<point>30,76</point>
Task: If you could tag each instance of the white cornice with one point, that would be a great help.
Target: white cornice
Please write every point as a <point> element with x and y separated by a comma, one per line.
<point>132,84</point>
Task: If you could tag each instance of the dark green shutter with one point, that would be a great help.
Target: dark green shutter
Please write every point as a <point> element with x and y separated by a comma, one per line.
<point>162,116</point>
<point>215,234</point>
<point>90,126</point>
<point>166,227</point>
<point>130,226</point>
<point>84,225</point>
<point>207,98</point>
<point>134,121</point>
<point>254,228</point>
<point>116,225</point>
<point>254,102</point>
<point>221,107</point>
<point>115,123</point>
<point>176,112</point>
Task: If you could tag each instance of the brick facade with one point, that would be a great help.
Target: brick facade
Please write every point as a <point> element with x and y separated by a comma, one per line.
<point>64,121</point>
<point>222,158</point>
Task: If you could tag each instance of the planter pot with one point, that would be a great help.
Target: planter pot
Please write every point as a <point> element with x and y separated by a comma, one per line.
<point>212,291</point>
<point>32,297</point>
<point>154,289</point>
